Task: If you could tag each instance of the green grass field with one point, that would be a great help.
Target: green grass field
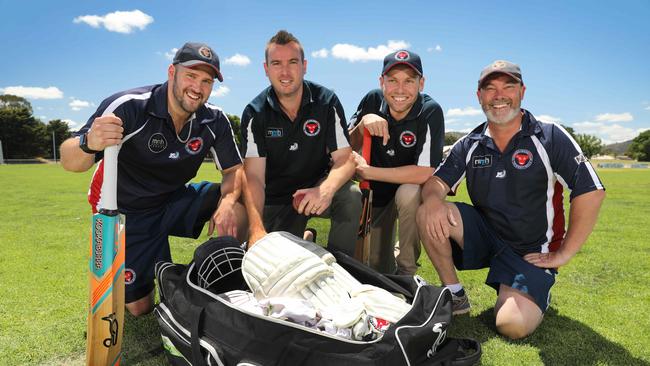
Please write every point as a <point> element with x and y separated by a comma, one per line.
<point>599,315</point>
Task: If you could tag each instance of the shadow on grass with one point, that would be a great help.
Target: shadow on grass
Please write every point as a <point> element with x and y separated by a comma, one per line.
<point>560,340</point>
<point>142,344</point>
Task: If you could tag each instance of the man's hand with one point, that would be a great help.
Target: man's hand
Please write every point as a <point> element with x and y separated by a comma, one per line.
<point>548,260</point>
<point>437,217</point>
<point>105,131</point>
<point>224,219</point>
<point>361,165</point>
<point>376,125</point>
<point>314,202</point>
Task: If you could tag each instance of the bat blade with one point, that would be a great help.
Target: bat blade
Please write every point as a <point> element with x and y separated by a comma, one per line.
<point>106,273</point>
<point>106,277</point>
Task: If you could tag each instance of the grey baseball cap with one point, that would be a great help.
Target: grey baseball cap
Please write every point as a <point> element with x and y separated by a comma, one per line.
<point>502,67</point>
<point>194,53</point>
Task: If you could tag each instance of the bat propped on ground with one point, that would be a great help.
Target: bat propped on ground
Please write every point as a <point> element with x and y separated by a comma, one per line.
<point>106,273</point>
<point>362,248</point>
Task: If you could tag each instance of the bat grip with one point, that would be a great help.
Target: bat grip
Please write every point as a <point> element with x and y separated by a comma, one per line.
<point>109,184</point>
<point>365,152</point>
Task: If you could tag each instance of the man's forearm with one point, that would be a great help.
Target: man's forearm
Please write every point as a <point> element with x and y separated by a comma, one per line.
<point>434,188</point>
<point>231,184</point>
<point>341,172</point>
<point>408,174</point>
<point>583,214</point>
<point>73,158</point>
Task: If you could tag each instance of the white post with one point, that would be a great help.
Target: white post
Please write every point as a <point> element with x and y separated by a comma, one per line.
<point>54,146</point>
<point>2,157</point>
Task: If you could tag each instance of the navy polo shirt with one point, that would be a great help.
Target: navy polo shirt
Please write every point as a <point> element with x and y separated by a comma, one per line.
<point>154,161</point>
<point>297,153</point>
<point>417,139</point>
<point>519,191</point>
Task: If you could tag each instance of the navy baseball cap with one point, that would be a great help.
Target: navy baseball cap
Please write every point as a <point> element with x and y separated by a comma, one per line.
<point>402,57</point>
<point>193,54</point>
<point>501,67</point>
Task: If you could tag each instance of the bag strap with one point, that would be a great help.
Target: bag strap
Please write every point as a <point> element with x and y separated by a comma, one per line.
<point>195,327</point>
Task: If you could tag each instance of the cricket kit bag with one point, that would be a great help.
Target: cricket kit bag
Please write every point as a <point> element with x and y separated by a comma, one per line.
<point>202,325</point>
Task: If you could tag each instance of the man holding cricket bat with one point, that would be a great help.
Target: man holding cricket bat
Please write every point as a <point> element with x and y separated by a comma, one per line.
<point>164,133</point>
<point>408,135</point>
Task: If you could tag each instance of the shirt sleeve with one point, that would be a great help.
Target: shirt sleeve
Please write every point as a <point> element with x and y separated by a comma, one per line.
<point>452,169</point>
<point>358,115</point>
<point>430,152</point>
<point>570,165</point>
<point>337,134</point>
<point>253,144</point>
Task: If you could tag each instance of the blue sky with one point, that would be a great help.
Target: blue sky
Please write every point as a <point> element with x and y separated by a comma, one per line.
<point>586,64</point>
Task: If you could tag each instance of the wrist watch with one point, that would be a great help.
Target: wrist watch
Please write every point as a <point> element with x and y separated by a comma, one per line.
<point>83,144</point>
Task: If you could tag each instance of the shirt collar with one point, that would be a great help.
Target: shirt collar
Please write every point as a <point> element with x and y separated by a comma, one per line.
<point>272,98</point>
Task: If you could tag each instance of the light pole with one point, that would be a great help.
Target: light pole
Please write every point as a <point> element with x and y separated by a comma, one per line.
<point>54,146</point>
<point>2,157</point>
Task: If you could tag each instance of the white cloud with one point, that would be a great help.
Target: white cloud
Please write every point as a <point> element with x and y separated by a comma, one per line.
<point>77,104</point>
<point>437,48</point>
<point>613,117</point>
<point>461,112</point>
<point>72,124</point>
<point>118,21</point>
<point>547,118</point>
<point>647,108</point>
<point>221,91</point>
<point>238,60</point>
<point>30,92</point>
<point>170,55</point>
<point>354,53</point>
<point>609,133</point>
<point>322,53</point>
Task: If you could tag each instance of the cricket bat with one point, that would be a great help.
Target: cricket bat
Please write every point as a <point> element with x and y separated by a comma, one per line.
<point>106,275</point>
<point>362,248</point>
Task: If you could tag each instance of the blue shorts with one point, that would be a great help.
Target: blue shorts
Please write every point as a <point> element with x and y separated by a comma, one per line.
<point>147,233</point>
<point>484,249</point>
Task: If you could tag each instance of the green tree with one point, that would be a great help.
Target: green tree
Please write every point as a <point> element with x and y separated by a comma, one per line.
<point>451,137</point>
<point>590,144</point>
<point>640,147</point>
<point>570,131</point>
<point>60,131</point>
<point>235,122</point>
<point>22,135</point>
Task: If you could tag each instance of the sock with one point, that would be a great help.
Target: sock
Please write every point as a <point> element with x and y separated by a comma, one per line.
<point>456,289</point>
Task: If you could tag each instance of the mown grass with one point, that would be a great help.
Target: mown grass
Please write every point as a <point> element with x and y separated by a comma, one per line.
<point>599,314</point>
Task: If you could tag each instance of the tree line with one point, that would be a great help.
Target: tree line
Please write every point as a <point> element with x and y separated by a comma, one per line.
<point>24,136</point>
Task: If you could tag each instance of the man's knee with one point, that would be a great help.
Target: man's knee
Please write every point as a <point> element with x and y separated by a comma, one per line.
<point>407,197</point>
<point>348,199</point>
<point>141,306</point>
<point>517,315</point>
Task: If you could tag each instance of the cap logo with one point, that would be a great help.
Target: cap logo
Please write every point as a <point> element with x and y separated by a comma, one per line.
<point>522,159</point>
<point>499,65</point>
<point>311,127</point>
<point>407,139</point>
<point>205,52</point>
<point>402,56</point>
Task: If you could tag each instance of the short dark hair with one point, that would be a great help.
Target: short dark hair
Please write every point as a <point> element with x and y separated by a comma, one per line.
<point>283,37</point>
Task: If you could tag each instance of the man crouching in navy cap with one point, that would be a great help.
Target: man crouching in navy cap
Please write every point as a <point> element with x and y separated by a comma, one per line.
<point>164,132</point>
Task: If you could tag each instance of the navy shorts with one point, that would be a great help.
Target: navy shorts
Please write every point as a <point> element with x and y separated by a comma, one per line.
<point>147,232</point>
<point>484,249</point>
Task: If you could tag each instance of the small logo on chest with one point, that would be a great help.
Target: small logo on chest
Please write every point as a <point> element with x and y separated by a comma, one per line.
<point>157,143</point>
<point>274,132</point>
<point>522,159</point>
<point>482,161</point>
<point>311,127</point>
<point>407,139</point>
<point>194,146</point>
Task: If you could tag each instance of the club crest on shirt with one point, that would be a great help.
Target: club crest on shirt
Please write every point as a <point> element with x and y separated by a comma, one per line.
<point>482,161</point>
<point>157,143</point>
<point>407,139</point>
<point>129,276</point>
<point>274,132</point>
<point>522,159</point>
<point>311,127</point>
<point>402,56</point>
<point>194,146</point>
